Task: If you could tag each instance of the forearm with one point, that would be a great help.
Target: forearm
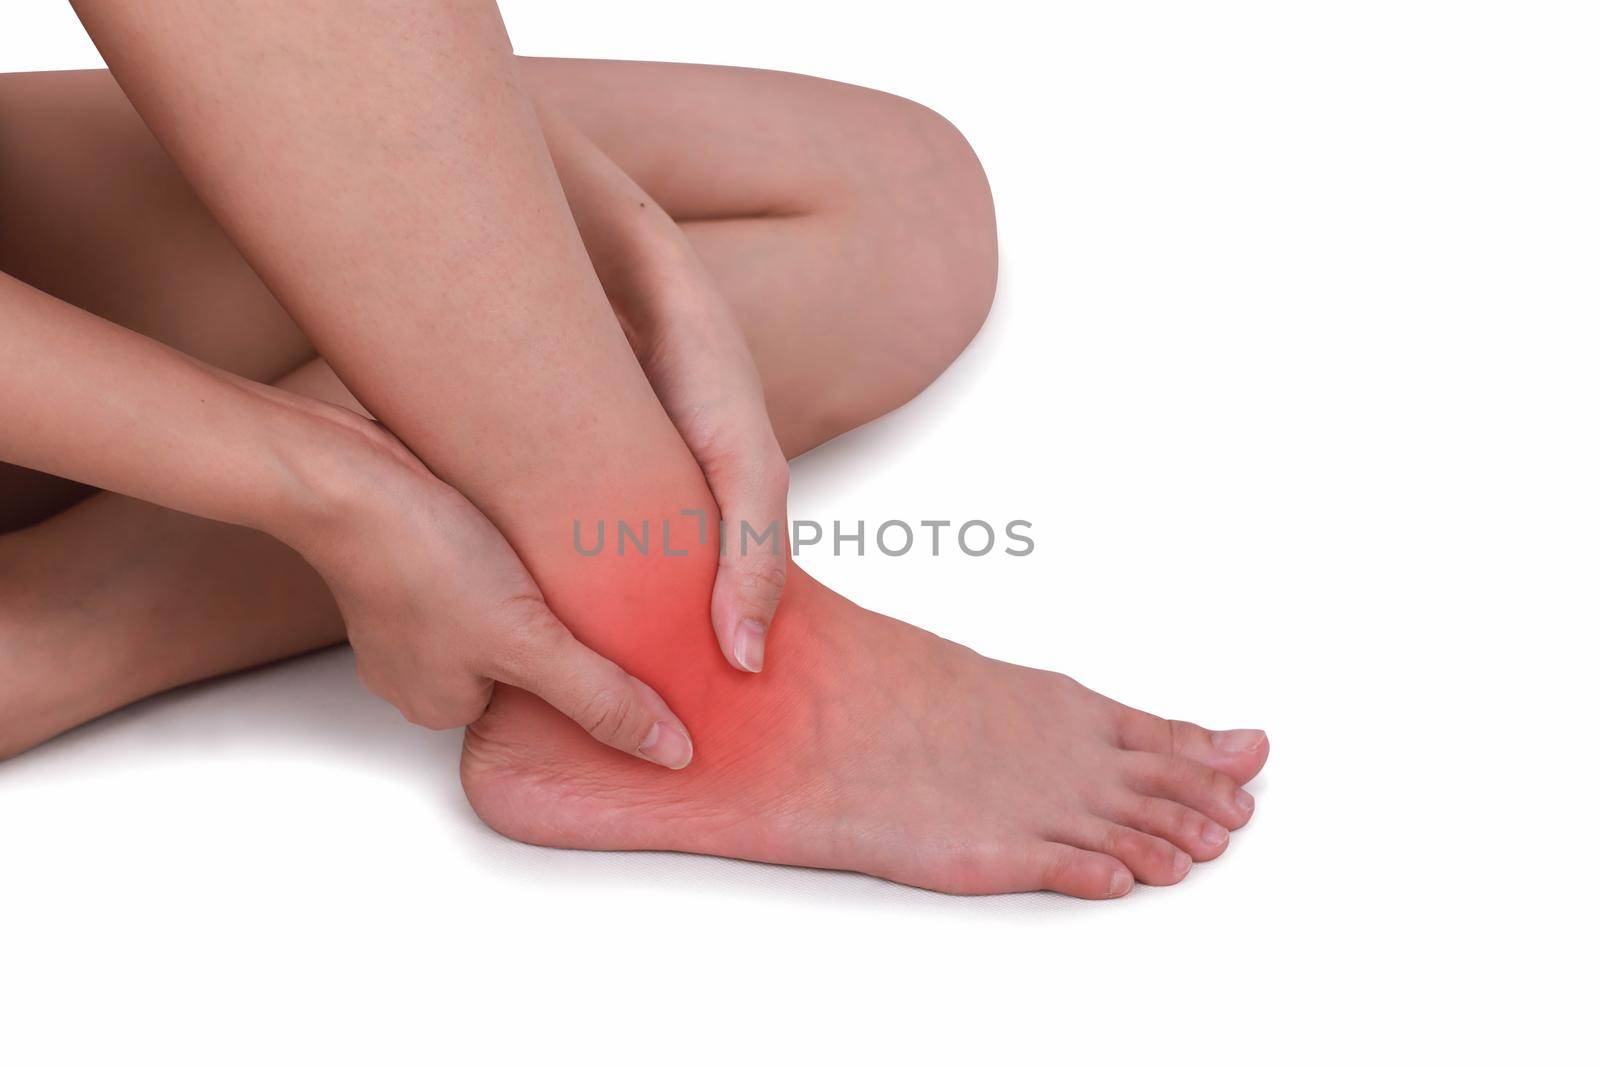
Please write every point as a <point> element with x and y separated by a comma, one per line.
<point>382,168</point>
<point>87,400</point>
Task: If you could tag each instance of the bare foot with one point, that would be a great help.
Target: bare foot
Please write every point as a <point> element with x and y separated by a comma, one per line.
<point>114,600</point>
<point>877,747</point>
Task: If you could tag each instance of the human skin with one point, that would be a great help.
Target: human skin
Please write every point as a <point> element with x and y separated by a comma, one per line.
<point>689,344</point>
<point>410,240</point>
<point>438,606</point>
<point>868,772</point>
<point>850,191</point>
<point>94,402</point>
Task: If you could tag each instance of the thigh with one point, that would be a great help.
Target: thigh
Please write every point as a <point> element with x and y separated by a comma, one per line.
<point>851,230</point>
<point>27,496</point>
<point>92,211</point>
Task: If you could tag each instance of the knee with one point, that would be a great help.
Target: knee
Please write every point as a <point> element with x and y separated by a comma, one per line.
<point>958,257</point>
<point>931,219</point>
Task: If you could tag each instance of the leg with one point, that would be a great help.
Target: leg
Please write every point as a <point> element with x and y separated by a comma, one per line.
<point>856,246</point>
<point>865,194</point>
<point>140,251</point>
<point>855,237</point>
<point>114,599</point>
<point>837,801</point>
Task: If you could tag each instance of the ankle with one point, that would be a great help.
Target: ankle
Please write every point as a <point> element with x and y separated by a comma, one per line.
<point>58,673</point>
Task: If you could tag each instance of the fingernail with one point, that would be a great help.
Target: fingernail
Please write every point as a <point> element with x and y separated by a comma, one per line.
<point>1181,864</point>
<point>1121,882</point>
<point>750,645</point>
<point>1213,834</point>
<point>668,745</point>
<point>1244,801</point>
<point>1238,740</point>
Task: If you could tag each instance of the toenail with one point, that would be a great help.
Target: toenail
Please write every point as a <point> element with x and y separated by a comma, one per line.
<point>1181,863</point>
<point>1244,801</point>
<point>1213,834</point>
<point>1121,882</point>
<point>1237,740</point>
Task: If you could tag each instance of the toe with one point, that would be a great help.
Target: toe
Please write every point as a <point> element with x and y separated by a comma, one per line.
<point>1201,837</point>
<point>1152,860</point>
<point>1079,872</point>
<point>1193,784</point>
<point>1239,754</point>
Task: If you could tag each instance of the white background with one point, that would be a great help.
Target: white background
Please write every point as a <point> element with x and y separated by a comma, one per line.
<point>1293,368</point>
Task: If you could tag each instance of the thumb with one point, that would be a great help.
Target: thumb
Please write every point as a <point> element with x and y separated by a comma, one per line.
<point>615,708</point>
<point>753,564</point>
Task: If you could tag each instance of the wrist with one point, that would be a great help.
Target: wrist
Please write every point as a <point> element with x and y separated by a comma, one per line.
<point>663,279</point>
<point>338,468</point>
<point>642,259</point>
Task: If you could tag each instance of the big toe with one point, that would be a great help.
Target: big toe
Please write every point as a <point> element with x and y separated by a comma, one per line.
<point>1240,754</point>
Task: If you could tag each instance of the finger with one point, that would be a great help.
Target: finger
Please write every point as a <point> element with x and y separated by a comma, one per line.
<point>752,492</point>
<point>615,708</point>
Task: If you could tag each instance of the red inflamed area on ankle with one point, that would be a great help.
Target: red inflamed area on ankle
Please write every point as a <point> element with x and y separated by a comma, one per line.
<point>649,612</point>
